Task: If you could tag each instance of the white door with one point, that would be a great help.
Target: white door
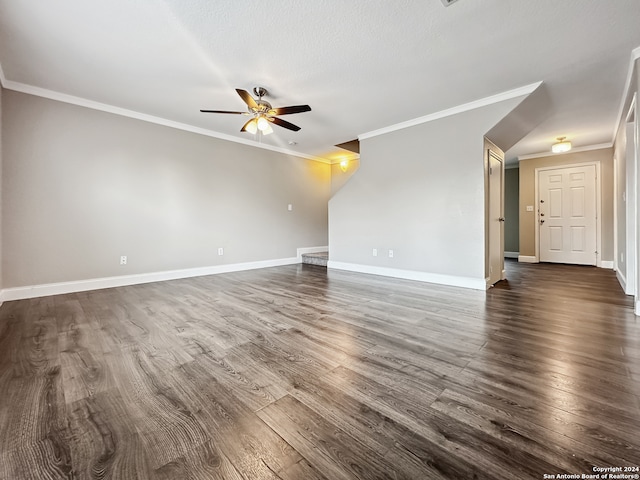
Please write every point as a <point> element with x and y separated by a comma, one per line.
<point>496,221</point>
<point>567,215</point>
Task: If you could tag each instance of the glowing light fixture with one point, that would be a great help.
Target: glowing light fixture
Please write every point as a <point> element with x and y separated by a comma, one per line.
<point>344,164</point>
<point>252,127</point>
<point>259,124</point>
<point>264,126</point>
<point>562,145</point>
<point>263,123</point>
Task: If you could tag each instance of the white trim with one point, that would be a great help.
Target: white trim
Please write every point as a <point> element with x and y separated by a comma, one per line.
<point>631,189</point>
<point>465,282</point>
<point>587,148</point>
<point>465,107</point>
<point>636,136</point>
<point>616,208</point>
<point>32,291</point>
<point>622,281</point>
<point>311,250</point>
<point>3,79</point>
<point>608,264</point>
<point>511,254</point>
<point>635,55</point>
<point>527,259</point>
<point>493,152</point>
<point>103,107</point>
<point>536,187</point>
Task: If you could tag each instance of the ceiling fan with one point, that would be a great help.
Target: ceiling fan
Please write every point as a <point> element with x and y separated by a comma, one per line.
<point>262,113</point>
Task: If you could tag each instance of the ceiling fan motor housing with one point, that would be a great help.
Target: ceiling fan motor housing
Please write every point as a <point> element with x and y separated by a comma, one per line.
<point>262,107</point>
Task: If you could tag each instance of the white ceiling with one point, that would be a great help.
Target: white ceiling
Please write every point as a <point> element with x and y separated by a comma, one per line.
<point>361,64</point>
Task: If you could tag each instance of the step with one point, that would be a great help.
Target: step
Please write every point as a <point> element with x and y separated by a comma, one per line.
<point>319,258</point>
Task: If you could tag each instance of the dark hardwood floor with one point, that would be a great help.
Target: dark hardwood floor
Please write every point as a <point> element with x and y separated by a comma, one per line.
<point>296,373</point>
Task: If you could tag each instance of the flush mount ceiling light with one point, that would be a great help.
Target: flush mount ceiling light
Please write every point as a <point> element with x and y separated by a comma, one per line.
<point>562,145</point>
<point>263,113</point>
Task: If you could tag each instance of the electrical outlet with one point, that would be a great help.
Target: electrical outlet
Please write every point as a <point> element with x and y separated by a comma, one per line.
<point>529,208</point>
<point>123,260</point>
<point>290,207</point>
<point>375,252</point>
<point>390,253</point>
<point>220,251</point>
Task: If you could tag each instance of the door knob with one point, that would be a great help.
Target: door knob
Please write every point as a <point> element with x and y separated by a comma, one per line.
<point>501,219</point>
<point>541,222</point>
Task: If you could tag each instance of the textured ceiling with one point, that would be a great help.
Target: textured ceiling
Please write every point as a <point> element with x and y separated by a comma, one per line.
<point>362,65</point>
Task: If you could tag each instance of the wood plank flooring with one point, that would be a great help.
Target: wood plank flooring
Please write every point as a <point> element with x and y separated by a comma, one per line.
<point>298,373</point>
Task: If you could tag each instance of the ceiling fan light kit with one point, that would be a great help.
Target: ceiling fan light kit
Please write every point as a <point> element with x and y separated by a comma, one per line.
<point>561,146</point>
<point>263,114</point>
<point>251,126</point>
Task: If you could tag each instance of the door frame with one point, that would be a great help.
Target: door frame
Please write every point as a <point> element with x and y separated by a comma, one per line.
<point>633,231</point>
<point>598,205</point>
<point>631,202</point>
<point>501,274</point>
<point>492,150</point>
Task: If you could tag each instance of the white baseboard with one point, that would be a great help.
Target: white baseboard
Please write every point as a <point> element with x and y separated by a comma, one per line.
<point>32,291</point>
<point>488,283</point>
<point>622,280</point>
<point>311,250</point>
<point>637,311</point>
<point>529,259</point>
<point>465,282</point>
<point>511,254</point>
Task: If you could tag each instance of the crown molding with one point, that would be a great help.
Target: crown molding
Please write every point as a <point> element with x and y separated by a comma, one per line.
<point>586,148</point>
<point>465,107</point>
<point>103,107</point>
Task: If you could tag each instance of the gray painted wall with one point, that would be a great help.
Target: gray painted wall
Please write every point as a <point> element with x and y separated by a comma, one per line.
<point>82,187</point>
<point>511,210</point>
<point>419,191</point>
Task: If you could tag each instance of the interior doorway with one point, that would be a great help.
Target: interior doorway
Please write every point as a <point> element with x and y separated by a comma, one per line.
<point>495,216</point>
<point>568,223</point>
<point>629,257</point>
